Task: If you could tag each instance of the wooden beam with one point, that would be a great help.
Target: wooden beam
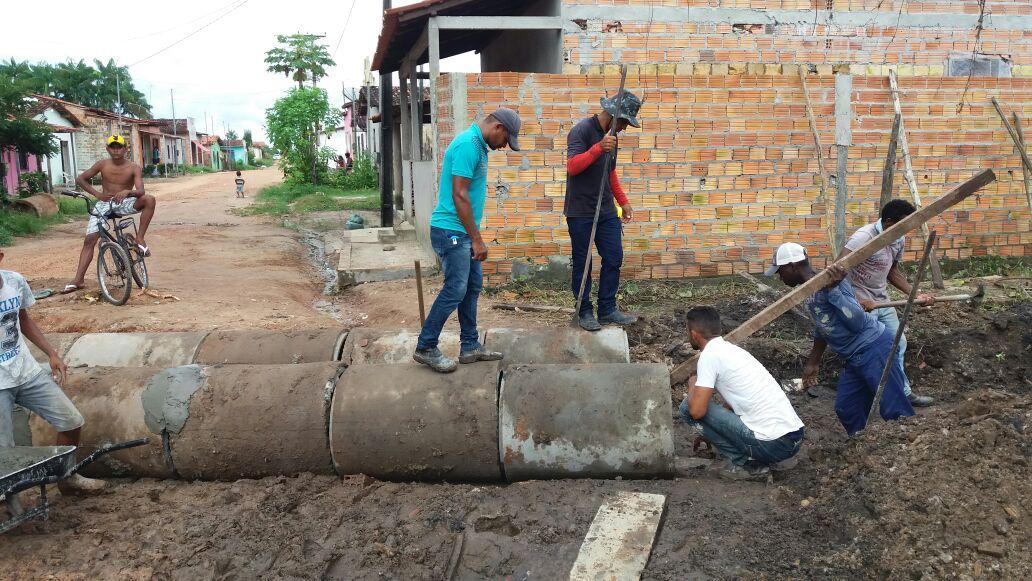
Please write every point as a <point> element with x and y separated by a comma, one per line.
<point>889,171</point>
<point>828,217</point>
<point>1014,135</point>
<point>851,260</point>
<point>908,176</point>
<point>499,22</point>
<point>1024,170</point>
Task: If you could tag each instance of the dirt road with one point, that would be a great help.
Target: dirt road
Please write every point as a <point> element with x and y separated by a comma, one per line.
<point>228,271</point>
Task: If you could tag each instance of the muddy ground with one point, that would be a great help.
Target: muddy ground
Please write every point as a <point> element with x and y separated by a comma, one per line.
<point>946,494</point>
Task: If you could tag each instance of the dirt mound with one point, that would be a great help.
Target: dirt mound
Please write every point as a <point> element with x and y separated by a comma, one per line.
<point>943,495</point>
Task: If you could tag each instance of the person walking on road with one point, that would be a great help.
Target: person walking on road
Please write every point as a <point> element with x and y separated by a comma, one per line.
<point>861,340</point>
<point>455,237</point>
<point>870,280</point>
<point>121,193</point>
<point>756,428</point>
<point>587,147</point>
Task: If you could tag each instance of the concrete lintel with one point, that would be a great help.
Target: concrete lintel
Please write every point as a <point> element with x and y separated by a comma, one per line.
<point>807,17</point>
<point>499,22</point>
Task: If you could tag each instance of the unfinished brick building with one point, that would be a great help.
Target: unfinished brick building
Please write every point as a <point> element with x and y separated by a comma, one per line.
<point>725,166</point>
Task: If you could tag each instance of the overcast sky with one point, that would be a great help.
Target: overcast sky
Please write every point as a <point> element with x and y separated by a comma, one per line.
<point>219,71</point>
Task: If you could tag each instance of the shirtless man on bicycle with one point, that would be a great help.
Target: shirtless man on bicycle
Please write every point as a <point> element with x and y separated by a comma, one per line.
<point>122,192</point>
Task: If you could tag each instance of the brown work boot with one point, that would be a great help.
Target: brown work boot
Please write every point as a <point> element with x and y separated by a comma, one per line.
<point>79,485</point>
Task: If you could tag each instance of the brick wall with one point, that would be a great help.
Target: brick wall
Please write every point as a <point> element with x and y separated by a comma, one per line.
<point>724,168</point>
<point>91,142</point>
<point>738,32</point>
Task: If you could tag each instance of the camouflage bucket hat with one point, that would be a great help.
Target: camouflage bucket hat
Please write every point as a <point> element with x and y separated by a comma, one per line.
<point>623,106</point>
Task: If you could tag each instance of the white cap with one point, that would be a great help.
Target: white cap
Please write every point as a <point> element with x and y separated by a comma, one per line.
<point>787,253</point>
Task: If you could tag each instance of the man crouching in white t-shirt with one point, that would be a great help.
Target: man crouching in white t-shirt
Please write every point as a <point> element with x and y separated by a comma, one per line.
<point>24,382</point>
<point>757,426</point>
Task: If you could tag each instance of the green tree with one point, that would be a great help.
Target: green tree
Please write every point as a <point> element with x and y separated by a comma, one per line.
<point>232,134</point>
<point>18,130</point>
<point>97,85</point>
<point>248,138</point>
<point>292,123</point>
<point>299,57</point>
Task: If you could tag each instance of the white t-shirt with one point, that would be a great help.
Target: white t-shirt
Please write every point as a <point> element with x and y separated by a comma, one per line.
<point>746,384</point>
<point>17,365</point>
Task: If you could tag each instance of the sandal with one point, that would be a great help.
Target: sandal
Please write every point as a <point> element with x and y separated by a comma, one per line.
<point>71,288</point>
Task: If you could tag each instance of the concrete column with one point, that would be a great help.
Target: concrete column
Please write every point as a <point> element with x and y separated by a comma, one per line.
<point>843,139</point>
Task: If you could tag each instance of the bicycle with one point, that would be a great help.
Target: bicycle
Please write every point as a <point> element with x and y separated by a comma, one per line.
<point>119,262</point>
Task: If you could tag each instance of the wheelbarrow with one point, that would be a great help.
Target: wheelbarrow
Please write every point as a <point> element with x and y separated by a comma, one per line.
<point>23,467</point>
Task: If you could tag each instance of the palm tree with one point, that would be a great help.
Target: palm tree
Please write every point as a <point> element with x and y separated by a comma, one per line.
<point>300,57</point>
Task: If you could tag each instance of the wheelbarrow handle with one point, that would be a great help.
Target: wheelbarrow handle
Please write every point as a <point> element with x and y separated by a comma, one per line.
<point>106,449</point>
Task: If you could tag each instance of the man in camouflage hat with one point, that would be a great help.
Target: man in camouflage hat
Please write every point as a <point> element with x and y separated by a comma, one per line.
<point>587,147</point>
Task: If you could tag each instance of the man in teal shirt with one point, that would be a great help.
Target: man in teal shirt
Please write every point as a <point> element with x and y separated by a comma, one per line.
<point>455,237</point>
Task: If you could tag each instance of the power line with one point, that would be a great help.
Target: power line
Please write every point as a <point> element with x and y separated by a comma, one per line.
<point>220,17</point>
<point>346,21</point>
<point>182,24</point>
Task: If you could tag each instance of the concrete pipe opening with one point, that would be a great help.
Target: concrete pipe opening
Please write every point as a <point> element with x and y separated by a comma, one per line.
<point>406,422</point>
<point>250,421</point>
<point>134,349</point>
<point>585,421</point>
<point>265,347</point>
<point>110,400</point>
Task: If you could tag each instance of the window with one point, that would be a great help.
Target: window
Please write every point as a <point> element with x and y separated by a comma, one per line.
<point>23,161</point>
<point>978,65</point>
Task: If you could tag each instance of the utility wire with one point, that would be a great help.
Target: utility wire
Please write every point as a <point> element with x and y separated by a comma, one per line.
<point>217,18</point>
<point>182,24</point>
<point>346,21</point>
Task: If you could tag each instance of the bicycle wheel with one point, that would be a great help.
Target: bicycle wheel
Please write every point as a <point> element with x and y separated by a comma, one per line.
<point>113,273</point>
<point>139,267</point>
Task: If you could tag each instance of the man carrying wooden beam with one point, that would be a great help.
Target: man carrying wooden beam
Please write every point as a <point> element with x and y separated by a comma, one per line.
<point>870,280</point>
<point>860,339</point>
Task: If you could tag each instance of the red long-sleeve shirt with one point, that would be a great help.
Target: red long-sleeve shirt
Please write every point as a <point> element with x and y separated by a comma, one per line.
<point>581,162</point>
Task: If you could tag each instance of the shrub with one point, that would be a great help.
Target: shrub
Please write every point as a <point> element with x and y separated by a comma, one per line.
<point>363,175</point>
<point>31,183</point>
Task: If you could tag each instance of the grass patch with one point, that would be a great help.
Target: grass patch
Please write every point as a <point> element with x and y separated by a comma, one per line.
<point>14,223</point>
<point>640,296</point>
<point>305,198</point>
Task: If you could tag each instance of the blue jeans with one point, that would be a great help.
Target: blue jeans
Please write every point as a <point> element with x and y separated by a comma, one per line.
<point>608,241</point>
<point>890,318</point>
<point>736,442</point>
<point>463,281</point>
<point>858,381</point>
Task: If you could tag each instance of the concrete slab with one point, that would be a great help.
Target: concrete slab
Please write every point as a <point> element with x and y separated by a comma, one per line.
<point>363,260</point>
<point>620,538</point>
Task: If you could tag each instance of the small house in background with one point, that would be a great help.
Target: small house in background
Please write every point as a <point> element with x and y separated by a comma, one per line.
<point>236,152</point>
<point>258,149</point>
<point>16,163</point>
<point>212,142</point>
<point>60,168</point>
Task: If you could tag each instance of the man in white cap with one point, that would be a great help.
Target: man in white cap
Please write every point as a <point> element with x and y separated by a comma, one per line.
<point>859,338</point>
<point>455,237</point>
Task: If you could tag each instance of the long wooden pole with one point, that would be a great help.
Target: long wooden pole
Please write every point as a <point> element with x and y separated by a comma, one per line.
<point>799,294</point>
<point>1024,170</point>
<point>889,171</point>
<point>820,164</point>
<point>875,405</point>
<point>908,175</point>
<point>419,293</point>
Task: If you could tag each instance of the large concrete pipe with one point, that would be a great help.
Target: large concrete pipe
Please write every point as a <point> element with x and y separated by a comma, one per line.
<point>246,421</point>
<point>540,345</point>
<point>134,349</point>
<point>371,346</point>
<point>406,422</point>
<point>559,345</point>
<point>60,341</point>
<point>602,421</point>
<point>266,347</point>
<point>110,400</point>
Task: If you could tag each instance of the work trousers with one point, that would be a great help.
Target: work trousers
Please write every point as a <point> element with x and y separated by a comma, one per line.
<point>463,281</point>
<point>609,242</point>
<point>858,382</point>
<point>736,442</point>
<point>890,318</point>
